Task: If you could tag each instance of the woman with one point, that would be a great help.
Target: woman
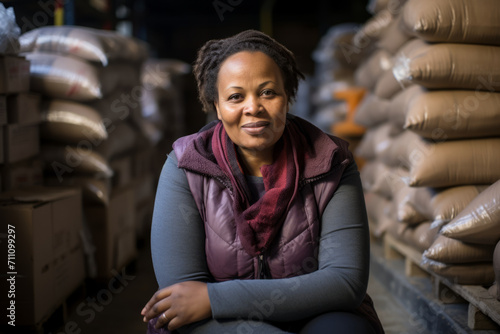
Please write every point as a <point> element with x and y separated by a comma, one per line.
<point>259,223</point>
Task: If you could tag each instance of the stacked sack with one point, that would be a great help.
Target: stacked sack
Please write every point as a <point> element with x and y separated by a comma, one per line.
<point>433,127</point>
<point>335,62</point>
<point>92,130</point>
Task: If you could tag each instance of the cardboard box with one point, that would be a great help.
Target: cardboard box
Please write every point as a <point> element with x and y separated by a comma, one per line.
<point>26,173</point>
<point>49,259</point>
<point>21,142</point>
<point>14,74</point>
<point>23,108</point>
<point>112,227</point>
<point>3,110</point>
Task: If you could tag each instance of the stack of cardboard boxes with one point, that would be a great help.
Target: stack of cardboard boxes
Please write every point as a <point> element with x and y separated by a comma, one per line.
<point>40,226</point>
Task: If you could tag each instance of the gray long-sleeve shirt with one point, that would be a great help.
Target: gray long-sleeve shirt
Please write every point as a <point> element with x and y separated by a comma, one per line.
<point>178,252</point>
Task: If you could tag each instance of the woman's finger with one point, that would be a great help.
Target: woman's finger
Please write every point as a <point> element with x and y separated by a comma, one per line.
<point>157,309</point>
<point>164,319</point>
<point>158,296</point>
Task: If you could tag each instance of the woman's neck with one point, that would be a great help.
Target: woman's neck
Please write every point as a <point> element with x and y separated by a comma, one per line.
<point>252,160</point>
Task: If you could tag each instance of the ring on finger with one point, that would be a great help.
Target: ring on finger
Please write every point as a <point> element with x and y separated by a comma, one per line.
<point>164,317</point>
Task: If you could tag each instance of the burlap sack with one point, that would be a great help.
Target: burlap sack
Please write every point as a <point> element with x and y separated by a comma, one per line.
<point>64,77</point>
<point>374,142</point>
<point>479,222</point>
<point>371,111</point>
<point>86,43</point>
<point>458,21</point>
<point>65,161</point>
<point>367,74</point>
<point>69,122</point>
<point>399,104</point>
<point>376,206</point>
<point>467,274</point>
<point>453,163</point>
<point>454,114</point>
<point>446,65</point>
<point>451,251</point>
<point>446,204</point>
<point>368,172</point>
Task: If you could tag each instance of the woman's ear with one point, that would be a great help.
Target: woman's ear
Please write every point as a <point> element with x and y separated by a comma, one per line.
<point>216,105</point>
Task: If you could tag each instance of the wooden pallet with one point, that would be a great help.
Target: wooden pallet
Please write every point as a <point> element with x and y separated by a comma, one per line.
<point>483,309</point>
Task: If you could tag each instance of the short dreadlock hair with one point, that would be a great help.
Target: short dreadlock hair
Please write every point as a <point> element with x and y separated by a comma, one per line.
<point>211,56</point>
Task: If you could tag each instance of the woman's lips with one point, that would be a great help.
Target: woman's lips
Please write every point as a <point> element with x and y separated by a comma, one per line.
<point>255,128</point>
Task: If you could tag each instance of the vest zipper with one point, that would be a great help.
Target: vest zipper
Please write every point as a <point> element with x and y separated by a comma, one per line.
<point>262,269</point>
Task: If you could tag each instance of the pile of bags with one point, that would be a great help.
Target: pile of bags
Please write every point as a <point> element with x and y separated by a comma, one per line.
<point>91,113</point>
<point>433,130</point>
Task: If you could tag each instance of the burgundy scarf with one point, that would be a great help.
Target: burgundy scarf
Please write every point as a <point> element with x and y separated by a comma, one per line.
<point>258,224</point>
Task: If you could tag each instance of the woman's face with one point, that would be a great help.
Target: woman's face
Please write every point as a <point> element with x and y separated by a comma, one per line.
<point>252,103</point>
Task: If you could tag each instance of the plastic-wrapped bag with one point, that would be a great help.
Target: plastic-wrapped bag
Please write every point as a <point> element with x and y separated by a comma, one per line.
<point>453,163</point>
<point>447,65</point>
<point>375,141</point>
<point>458,21</point>
<point>479,222</point>
<point>71,122</point>
<point>448,203</point>
<point>448,250</point>
<point>454,114</point>
<point>369,71</point>
<point>398,105</point>
<point>86,43</point>
<point>64,77</point>
<point>371,111</point>
<point>9,31</point>
<point>480,273</point>
<point>67,160</point>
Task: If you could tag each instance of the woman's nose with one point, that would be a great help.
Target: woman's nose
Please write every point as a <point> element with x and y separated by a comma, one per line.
<point>252,105</point>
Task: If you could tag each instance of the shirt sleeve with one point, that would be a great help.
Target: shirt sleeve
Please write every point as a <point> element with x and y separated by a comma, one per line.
<point>177,230</point>
<point>339,283</point>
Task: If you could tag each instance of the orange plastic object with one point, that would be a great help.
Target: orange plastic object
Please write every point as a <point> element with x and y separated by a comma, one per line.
<point>349,128</point>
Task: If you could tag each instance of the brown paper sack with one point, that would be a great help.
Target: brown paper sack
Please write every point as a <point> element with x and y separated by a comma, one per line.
<point>66,160</point>
<point>399,102</point>
<point>453,163</point>
<point>448,250</point>
<point>466,274</point>
<point>479,222</point>
<point>375,141</point>
<point>454,114</point>
<point>371,111</point>
<point>446,65</point>
<point>368,72</point>
<point>448,203</point>
<point>458,21</point>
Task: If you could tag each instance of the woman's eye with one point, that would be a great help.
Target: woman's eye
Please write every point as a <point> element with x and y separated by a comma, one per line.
<point>234,97</point>
<point>268,92</point>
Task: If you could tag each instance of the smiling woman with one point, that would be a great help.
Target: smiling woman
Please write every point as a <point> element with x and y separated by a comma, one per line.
<point>259,222</point>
